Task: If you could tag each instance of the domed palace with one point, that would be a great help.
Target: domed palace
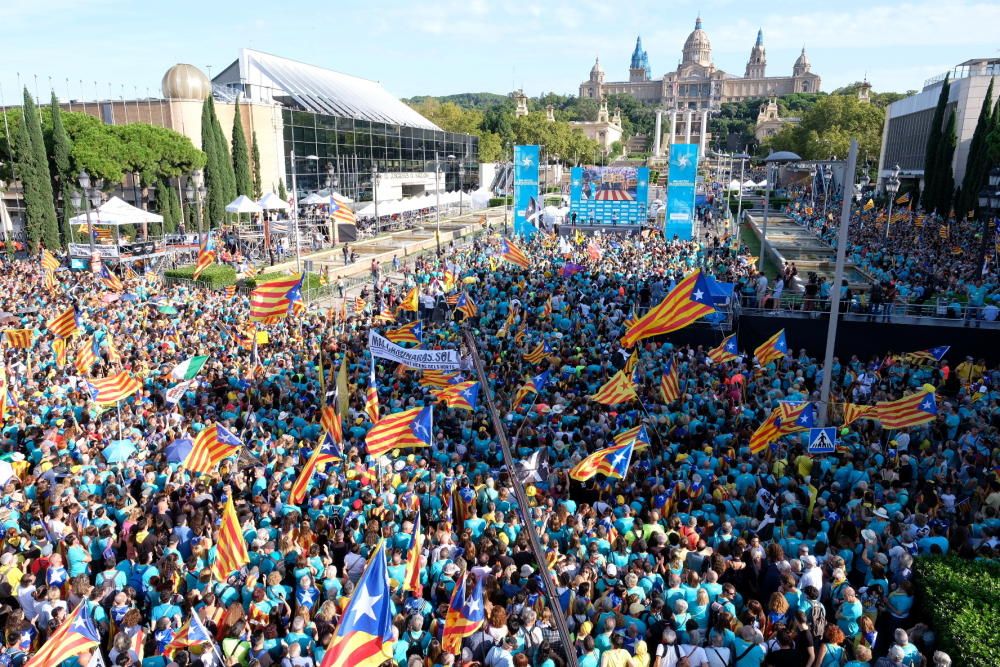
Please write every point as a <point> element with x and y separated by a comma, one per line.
<point>697,83</point>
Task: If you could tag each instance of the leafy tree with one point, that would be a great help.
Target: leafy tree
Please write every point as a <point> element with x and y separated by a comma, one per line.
<point>48,226</point>
<point>255,154</point>
<point>450,116</point>
<point>490,147</point>
<point>282,192</point>
<point>827,129</point>
<point>978,164</point>
<point>62,170</point>
<point>241,156</point>
<point>931,172</point>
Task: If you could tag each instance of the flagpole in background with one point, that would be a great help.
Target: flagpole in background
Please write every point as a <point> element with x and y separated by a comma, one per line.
<point>838,277</point>
<point>522,501</point>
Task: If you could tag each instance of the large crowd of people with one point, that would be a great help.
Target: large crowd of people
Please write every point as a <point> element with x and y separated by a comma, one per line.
<point>704,554</point>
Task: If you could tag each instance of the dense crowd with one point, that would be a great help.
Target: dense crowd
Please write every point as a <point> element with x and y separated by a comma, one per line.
<point>704,554</point>
<point>916,259</point>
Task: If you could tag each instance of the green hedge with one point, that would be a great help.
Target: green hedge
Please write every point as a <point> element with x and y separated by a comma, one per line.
<point>216,276</point>
<point>500,201</point>
<point>962,599</point>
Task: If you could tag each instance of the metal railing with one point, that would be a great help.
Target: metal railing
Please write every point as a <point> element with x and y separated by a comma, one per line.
<point>897,311</point>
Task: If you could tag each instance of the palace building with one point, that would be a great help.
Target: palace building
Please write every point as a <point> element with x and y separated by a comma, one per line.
<point>697,83</point>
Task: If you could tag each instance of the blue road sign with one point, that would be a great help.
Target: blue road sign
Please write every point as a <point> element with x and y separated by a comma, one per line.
<point>822,440</point>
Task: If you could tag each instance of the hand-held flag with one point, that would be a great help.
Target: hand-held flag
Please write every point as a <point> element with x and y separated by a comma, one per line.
<point>772,349</point>
<point>410,428</point>
<point>364,636</point>
<point>231,549</point>
<point>212,445</point>
<point>77,634</point>
<point>689,300</point>
<point>466,614</point>
<point>912,410</point>
<point>610,461</point>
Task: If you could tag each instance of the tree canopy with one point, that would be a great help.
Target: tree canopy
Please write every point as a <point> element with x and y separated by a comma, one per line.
<point>828,127</point>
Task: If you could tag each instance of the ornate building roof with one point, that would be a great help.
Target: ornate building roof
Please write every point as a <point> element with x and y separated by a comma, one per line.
<point>697,47</point>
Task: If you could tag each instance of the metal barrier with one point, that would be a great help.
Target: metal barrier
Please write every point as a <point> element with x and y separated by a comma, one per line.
<point>900,312</point>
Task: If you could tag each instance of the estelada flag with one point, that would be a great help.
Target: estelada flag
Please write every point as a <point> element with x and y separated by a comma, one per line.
<point>77,634</point>
<point>610,462</point>
<point>510,252</point>
<point>274,298</point>
<point>409,428</point>
<point>212,444</point>
<point>112,389</point>
<point>618,389</point>
<point>912,410</point>
<point>689,300</point>
<point>411,301</point>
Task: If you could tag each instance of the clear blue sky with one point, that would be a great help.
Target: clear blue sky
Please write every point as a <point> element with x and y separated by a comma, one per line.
<point>450,46</point>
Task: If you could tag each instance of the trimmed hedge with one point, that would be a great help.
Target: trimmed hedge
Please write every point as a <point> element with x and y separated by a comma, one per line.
<point>962,598</point>
<point>500,201</point>
<point>310,282</point>
<point>216,276</point>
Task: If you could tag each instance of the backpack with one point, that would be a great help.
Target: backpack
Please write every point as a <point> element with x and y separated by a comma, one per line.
<point>817,618</point>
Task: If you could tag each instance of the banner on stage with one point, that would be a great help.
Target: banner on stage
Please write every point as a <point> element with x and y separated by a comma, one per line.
<point>527,204</point>
<point>681,180</point>
<point>425,360</point>
<point>609,195</point>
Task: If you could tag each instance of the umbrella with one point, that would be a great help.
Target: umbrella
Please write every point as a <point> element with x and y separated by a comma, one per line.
<point>118,451</point>
<point>178,450</point>
<point>128,296</point>
<point>110,298</point>
<point>167,310</point>
<point>312,199</point>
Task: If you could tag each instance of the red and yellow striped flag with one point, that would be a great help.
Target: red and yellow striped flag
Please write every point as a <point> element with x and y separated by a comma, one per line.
<point>537,355</point>
<point>854,412</point>
<point>330,422</point>
<point>59,349</point>
<point>689,300</point>
<point>411,582</point>
<point>76,635</point>
<point>212,445</point>
<point>231,550</point>
<point>618,389</point>
<point>670,385</point>
<point>19,338</point>
<point>113,389</point>
<point>411,301</point>
<point>409,428</point>
<point>65,324</point>
<point>912,410</point>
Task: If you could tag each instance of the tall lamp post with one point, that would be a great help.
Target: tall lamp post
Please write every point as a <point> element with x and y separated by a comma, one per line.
<point>812,185</point>
<point>989,205</point>
<point>3,223</point>
<point>375,194</point>
<point>739,205</point>
<point>461,185</point>
<point>891,188</point>
<point>195,193</point>
<point>827,179</point>
<point>91,197</point>
<point>295,209</point>
<point>331,183</point>
<point>772,163</point>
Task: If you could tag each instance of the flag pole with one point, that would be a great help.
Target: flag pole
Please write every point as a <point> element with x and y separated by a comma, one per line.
<point>838,277</point>
<point>118,408</point>
<point>522,501</point>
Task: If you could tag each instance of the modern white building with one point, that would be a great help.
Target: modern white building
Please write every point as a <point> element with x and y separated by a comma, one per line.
<point>908,121</point>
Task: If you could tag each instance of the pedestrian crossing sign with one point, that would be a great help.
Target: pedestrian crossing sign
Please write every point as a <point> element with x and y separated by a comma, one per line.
<point>822,440</point>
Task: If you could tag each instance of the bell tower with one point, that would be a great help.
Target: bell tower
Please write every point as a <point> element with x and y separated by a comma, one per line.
<point>757,64</point>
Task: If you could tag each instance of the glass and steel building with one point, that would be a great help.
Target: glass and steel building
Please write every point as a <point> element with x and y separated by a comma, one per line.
<point>347,131</point>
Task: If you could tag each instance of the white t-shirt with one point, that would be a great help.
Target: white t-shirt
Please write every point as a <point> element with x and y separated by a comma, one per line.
<point>670,654</point>
<point>717,656</point>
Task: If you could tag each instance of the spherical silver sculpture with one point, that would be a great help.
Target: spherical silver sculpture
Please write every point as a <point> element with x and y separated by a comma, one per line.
<point>185,82</point>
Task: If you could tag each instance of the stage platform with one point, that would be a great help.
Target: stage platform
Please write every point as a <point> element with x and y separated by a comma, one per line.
<point>590,230</point>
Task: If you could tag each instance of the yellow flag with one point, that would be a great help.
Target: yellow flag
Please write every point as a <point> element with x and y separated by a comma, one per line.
<point>869,205</point>
<point>343,392</point>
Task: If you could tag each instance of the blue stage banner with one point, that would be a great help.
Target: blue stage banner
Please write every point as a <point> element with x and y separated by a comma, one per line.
<point>527,203</point>
<point>681,180</point>
<point>575,184</point>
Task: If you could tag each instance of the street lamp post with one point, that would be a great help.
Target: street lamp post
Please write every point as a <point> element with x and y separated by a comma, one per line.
<point>375,194</point>
<point>461,186</point>
<point>827,179</point>
<point>90,197</point>
<point>989,205</point>
<point>891,188</point>
<point>437,202</point>
<point>195,194</point>
<point>739,205</point>
<point>812,186</point>
<point>772,163</point>
<point>295,209</point>
<point>331,183</point>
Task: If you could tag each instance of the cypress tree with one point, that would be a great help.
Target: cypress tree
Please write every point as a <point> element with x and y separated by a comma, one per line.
<point>241,156</point>
<point>24,161</point>
<point>255,155</point>
<point>282,192</point>
<point>945,183</point>
<point>217,165</point>
<point>62,170</point>
<point>49,225</point>
<point>931,179</point>
<point>978,164</point>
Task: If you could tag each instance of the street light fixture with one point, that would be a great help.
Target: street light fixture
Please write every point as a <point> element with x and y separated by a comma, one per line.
<point>989,205</point>
<point>375,194</point>
<point>772,162</point>
<point>827,179</point>
<point>812,185</point>
<point>89,197</point>
<point>891,188</point>
<point>295,208</point>
<point>331,184</point>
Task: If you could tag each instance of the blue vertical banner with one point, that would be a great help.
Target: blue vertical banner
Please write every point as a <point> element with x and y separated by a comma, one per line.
<point>681,179</point>
<point>575,184</point>
<point>527,203</point>
<point>642,189</point>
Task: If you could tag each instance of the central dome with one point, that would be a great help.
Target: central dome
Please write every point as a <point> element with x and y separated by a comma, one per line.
<point>697,47</point>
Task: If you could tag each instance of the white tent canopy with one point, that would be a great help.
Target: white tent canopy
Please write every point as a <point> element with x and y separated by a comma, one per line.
<point>243,204</point>
<point>272,202</point>
<point>117,211</point>
<point>312,199</point>
<point>734,184</point>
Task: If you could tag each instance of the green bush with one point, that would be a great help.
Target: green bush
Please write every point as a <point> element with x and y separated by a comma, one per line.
<point>311,281</point>
<point>500,201</point>
<point>216,276</point>
<point>962,599</point>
